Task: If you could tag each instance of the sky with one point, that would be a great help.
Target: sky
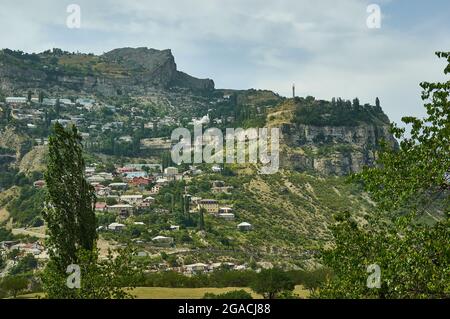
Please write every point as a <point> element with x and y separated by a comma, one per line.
<point>325,47</point>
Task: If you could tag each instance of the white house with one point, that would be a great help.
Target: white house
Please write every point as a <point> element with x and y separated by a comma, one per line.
<point>162,240</point>
<point>216,169</point>
<point>195,268</point>
<point>116,226</point>
<point>132,199</point>
<point>245,226</point>
<point>16,100</point>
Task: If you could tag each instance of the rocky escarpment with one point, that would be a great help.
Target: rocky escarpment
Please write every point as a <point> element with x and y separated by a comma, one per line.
<point>120,71</point>
<point>328,149</point>
<point>336,150</point>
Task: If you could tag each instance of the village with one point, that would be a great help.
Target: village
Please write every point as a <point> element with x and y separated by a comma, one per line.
<point>131,191</point>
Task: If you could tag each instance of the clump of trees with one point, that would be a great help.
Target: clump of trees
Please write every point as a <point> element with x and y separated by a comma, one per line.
<point>338,112</point>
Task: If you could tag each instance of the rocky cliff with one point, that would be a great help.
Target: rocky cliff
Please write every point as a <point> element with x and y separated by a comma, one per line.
<point>327,149</point>
<point>125,70</point>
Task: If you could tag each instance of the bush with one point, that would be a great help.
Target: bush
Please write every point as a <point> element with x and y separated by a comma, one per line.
<point>235,294</point>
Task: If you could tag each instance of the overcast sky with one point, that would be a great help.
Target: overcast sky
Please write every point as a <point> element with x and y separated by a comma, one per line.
<point>323,46</point>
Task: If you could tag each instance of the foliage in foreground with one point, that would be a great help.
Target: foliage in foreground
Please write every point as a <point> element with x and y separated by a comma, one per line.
<point>414,258</point>
<point>71,222</point>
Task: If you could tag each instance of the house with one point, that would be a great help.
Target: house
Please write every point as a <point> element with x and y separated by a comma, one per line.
<point>139,181</point>
<point>118,186</point>
<point>16,100</point>
<point>225,210</point>
<point>171,171</point>
<point>122,209</point>
<point>101,190</point>
<point>101,207</point>
<point>49,102</point>
<point>95,179</point>
<point>210,205</point>
<point>132,175</point>
<point>116,226</point>
<point>139,224</point>
<point>195,268</point>
<point>155,189</point>
<point>245,226</point>
<point>39,184</point>
<point>134,200</point>
<point>174,228</point>
<point>28,248</point>
<point>149,200</point>
<point>105,175</point>
<point>162,240</point>
<point>89,170</point>
<point>66,102</point>
<point>226,213</point>
<point>220,187</point>
<point>162,181</point>
<point>216,169</point>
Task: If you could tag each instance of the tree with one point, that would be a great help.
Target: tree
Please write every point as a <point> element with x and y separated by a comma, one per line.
<point>71,221</point>
<point>412,256</point>
<point>314,279</point>
<point>201,219</point>
<point>41,97</point>
<point>109,278</point>
<point>271,282</point>
<point>70,200</point>
<point>377,103</point>
<point>57,108</point>
<point>24,265</point>
<point>14,284</point>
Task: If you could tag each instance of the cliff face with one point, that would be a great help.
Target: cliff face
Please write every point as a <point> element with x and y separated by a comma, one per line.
<point>126,70</point>
<point>332,150</point>
<point>328,149</point>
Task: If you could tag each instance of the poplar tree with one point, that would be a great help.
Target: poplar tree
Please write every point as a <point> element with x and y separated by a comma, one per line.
<point>70,200</point>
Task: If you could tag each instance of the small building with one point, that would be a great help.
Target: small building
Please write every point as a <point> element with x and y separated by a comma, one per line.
<point>134,200</point>
<point>174,228</point>
<point>139,181</point>
<point>195,268</point>
<point>155,189</point>
<point>101,207</point>
<point>245,226</point>
<point>16,100</point>
<point>171,171</point>
<point>118,186</point>
<point>216,169</point>
<point>132,175</point>
<point>116,227</point>
<point>121,209</point>
<point>210,205</point>
<point>39,184</point>
<point>163,240</point>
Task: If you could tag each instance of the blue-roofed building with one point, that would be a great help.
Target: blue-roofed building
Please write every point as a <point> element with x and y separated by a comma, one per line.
<point>132,175</point>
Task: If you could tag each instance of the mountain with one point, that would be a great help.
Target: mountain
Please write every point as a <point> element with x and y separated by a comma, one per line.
<point>120,71</point>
